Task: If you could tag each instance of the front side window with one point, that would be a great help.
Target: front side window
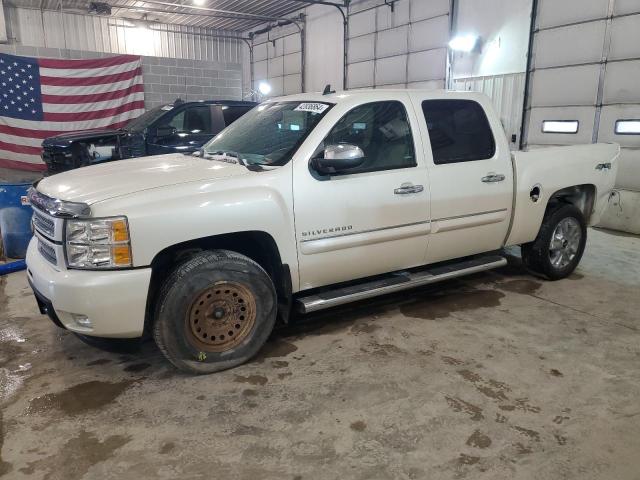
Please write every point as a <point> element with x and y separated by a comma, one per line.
<point>458,130</point>
<point>382,131</point>
<point>270,133</point>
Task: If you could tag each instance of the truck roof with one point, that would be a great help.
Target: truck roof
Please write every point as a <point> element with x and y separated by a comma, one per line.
<point>372,93</point>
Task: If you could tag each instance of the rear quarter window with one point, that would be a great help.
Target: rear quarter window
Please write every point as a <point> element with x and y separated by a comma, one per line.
<point>459,131</point>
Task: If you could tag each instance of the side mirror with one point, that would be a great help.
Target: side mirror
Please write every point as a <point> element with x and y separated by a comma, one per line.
<point>339,157</point>
<point>165,131</point>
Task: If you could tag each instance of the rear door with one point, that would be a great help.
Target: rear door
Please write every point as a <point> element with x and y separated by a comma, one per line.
<point>470,175</point>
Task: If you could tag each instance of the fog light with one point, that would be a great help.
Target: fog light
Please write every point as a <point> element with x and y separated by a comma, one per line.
<point>82,320</point>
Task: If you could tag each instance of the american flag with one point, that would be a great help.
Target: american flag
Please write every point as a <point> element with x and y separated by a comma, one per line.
<point>41,97</point>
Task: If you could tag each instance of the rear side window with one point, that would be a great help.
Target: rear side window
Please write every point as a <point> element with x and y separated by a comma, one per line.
<point>232,113</point>
<point>459,131</point>
<point>191,120</point>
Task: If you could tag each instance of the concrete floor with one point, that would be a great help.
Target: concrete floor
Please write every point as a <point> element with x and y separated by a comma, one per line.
<point>497,376</point>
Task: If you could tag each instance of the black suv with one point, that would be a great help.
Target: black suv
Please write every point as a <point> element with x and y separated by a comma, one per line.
<point>178,127</point>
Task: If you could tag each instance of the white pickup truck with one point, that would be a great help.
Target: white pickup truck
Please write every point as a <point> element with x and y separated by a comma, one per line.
<point>308,202</point>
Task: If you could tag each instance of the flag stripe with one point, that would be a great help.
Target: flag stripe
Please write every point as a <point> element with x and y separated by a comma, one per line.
<point>27,141</point>
<point>93,106</point>
<point>10,147</point>
<point>90,98</point>
<point>83,82</point>
<point>87,63</point>
<point>82,116</point>
<point>89,72</point>
<point>91,89</point>
<point>20,165</point>
<point>26,128</point>
<point>19,157</point>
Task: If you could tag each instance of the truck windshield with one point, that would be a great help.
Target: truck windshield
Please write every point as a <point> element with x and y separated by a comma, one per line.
<point>270,133</point>
<point>147,118</point>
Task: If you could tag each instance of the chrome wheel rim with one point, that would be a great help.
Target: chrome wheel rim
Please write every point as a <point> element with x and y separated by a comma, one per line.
<point>565,242</point>
<point>221,317</point>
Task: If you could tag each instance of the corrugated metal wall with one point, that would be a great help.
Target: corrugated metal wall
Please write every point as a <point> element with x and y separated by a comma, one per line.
<point>111,35</point>
<point>507,94</point>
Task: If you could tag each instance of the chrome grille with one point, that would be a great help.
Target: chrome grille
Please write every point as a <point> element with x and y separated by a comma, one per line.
<point>45,225</point>
<point>48,252</point>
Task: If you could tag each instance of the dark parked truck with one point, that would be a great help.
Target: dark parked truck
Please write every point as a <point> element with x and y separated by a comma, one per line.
<point>178,127</point>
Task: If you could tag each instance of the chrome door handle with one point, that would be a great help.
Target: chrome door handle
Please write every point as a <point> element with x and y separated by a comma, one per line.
<point>493,177</point>
<point>603,166</point>
<point>407,188</point>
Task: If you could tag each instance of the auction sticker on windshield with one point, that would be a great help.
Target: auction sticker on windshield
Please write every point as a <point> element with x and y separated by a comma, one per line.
<point>311,107</point>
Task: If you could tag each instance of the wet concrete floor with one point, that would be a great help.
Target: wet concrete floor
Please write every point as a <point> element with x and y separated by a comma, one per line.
<point>496,376</point>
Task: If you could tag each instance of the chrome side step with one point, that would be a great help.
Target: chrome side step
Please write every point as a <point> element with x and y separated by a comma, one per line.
<point>396,282</point>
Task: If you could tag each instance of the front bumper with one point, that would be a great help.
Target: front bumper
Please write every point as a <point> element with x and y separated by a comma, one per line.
<point>114,301</point>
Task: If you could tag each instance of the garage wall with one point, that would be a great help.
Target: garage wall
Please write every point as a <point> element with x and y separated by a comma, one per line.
<point>503,27</point>
<point>112,35</point>
<point>3,26</point>
<point>193,67</point>
<point>165,79</point>
<point>585,67</point>
<point>403,47</point>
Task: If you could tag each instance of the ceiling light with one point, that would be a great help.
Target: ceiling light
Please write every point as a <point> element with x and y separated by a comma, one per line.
<point>464,43</point>
<point>199,2</point>
<point>264,88</point>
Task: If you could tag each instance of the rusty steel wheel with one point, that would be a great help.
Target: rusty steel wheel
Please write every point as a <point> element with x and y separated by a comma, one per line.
<point>221,317</point>
<point>214,311</point>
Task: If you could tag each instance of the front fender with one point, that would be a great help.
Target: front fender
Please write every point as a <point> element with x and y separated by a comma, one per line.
<point>166,216</point>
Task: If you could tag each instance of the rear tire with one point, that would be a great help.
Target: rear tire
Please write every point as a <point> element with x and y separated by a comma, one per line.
<point>215,312</point>
<point>558,248</point>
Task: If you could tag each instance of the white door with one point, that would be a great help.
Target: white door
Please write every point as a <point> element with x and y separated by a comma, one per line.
<point>470,175</point>
<point>373,218</point>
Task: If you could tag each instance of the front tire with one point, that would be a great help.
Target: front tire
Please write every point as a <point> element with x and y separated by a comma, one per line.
<point>558,248</point>
<point>215,312</point>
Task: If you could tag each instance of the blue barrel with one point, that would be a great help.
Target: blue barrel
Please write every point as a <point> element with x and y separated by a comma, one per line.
<point>15,219</point>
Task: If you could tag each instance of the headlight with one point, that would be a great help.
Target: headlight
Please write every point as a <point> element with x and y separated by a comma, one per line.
<point>98,243</point>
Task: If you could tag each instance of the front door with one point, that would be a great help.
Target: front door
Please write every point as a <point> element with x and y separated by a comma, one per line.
<point>371,219</point>
<point>186,130</point>
<point>471,177</point>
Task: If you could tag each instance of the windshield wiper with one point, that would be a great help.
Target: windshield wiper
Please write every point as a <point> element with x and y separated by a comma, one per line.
<point>228,156</point>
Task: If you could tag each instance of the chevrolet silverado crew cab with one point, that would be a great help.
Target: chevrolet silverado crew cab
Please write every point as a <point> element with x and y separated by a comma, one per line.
<point>178,127</point>
<point>306,202</point>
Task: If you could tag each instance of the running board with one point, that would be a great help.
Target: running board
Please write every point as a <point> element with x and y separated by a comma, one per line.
<point>396,282</point>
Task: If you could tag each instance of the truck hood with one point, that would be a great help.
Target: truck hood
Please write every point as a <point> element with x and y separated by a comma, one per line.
<point>65,139</point>
<point>109,180</point>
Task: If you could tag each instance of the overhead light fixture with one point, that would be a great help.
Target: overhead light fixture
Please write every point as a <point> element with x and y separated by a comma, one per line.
<point>627,127</point>
<point>464,43</point>
<point>199,2</point>
<point>560,126</point>
<point>264,88</point>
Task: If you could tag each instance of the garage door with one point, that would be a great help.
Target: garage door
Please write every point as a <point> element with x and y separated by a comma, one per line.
<point>398,44</point>
<point>584,78</point>
<point>584,87</point>
<point>277,59</point>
